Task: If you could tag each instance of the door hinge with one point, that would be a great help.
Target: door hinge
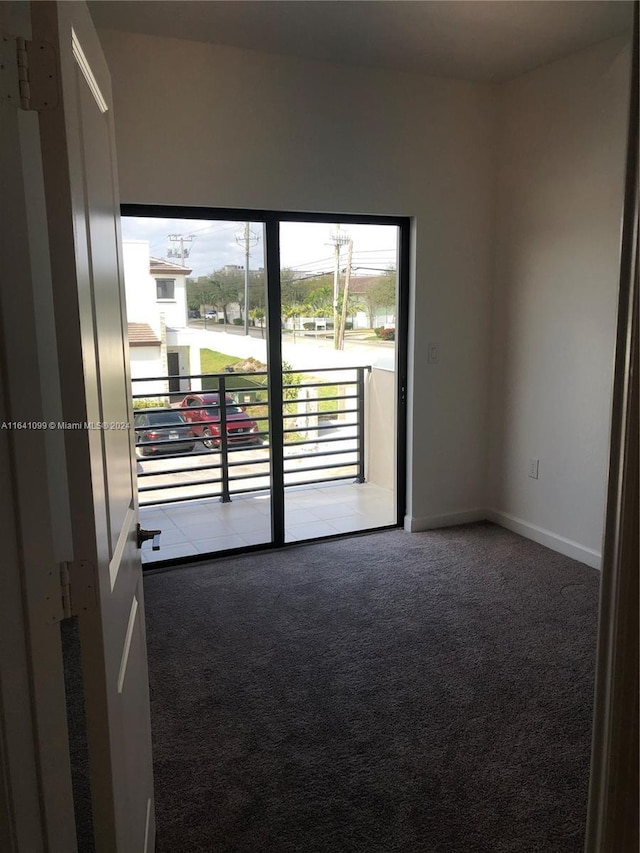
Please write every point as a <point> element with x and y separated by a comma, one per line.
<point>28,75</point>
<point>77,589</point>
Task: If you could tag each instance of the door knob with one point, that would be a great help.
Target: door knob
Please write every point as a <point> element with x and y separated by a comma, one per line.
<point>145,535</point>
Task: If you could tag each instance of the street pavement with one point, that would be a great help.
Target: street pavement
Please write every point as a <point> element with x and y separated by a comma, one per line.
<point>305,352</point>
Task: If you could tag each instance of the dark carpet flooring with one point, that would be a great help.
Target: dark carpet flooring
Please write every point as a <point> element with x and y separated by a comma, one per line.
<point>426,692</point>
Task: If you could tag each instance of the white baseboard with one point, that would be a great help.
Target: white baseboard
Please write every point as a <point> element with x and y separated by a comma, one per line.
<point>518,525</point>
<point>545,537</point>
<point>415,525</point>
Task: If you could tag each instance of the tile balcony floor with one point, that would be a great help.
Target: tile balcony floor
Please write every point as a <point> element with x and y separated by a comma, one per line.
<point>193,528</point>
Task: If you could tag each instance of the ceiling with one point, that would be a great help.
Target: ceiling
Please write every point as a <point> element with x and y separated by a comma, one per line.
<point>490,40</point>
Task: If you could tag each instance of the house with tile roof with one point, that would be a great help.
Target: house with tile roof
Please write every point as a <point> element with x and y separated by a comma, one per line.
<point>160,342</point>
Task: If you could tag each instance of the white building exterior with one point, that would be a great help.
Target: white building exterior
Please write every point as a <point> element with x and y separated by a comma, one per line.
<point>160,343</point>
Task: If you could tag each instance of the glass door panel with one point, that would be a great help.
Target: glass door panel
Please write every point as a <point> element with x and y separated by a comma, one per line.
<point>196,306</point>
<point>339,307</point>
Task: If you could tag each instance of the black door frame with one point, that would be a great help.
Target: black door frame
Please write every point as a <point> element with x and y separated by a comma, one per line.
<point>271,220</point>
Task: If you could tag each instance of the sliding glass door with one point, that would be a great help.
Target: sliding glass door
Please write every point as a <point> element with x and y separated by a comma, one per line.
<point>339,313</point>
<point>267,363</point>
<point>196,306</point>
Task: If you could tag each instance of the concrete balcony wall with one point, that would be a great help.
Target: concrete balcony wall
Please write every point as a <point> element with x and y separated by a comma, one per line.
<point>380,428</point>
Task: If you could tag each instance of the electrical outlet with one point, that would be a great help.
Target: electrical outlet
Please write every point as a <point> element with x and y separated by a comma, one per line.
<point>533,468</point>
<point>432,353</point>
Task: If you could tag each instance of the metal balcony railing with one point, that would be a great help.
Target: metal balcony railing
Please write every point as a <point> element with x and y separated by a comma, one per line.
<point>323,427</point>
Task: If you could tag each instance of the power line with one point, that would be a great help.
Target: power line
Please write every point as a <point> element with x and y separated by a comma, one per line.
<point>365,268</point>
<point>307,263</point>
<point>309,277</point>
<point>214,228</point>
<point>371,251</point>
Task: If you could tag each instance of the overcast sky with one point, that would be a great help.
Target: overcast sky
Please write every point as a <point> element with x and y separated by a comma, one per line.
<point>303,246</point>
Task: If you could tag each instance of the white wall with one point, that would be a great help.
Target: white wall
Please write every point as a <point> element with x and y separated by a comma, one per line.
<point>143,305</point>
<point>140,288</point>
<point>175,310</point>
<point>211,125</point>
<point>147,361</point>
<point>560,182</point>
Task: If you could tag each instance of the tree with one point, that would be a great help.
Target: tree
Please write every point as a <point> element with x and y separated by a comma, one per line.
<point>289,394</point>
<point>200,293</point>
<point>258,315</point>
<point>257,289</point>
<point>379,294</point>
<point>194,294</point>
<point>290,286</point>
<point>295,287</point>
<point>223,293</point>
<point>320,302</point>
<point>291,311</point>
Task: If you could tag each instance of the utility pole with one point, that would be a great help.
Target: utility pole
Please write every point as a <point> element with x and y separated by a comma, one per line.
<point>345,296</point>
<point>249,238</point>
<point>183,251</point>
<point>338,239</point>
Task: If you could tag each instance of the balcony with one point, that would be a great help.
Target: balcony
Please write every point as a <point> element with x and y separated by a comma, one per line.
<point>214,494</point>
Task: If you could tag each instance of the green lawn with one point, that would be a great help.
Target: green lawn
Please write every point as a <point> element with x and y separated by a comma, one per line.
<point>328,406</point>
<point>215,362</point>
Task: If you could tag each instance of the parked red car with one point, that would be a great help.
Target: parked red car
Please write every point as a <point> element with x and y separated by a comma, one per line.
<point>202,412</point>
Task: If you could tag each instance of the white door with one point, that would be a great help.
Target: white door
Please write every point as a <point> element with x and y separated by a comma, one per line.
<point>80,188</point>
